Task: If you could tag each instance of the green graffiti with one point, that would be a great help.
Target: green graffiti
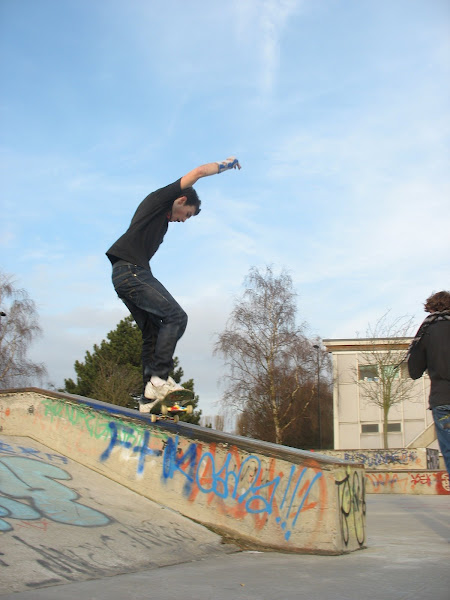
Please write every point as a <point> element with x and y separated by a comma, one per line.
<point>95,423</point>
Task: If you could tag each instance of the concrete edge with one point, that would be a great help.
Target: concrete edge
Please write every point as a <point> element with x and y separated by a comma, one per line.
<point>197,432</point>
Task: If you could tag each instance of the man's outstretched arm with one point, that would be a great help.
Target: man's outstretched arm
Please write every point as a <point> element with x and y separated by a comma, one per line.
<point>213,168</point>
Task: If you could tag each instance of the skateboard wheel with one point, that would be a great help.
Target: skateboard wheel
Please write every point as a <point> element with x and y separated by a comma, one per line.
<point>189,409</point>
<point>153,418</point>
<point>176,418</point>
<point>164,409</point>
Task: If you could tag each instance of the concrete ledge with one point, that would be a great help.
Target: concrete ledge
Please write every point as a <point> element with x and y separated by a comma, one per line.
<point>410,459</point>
<point>408,482</point>
<point>270,495</point>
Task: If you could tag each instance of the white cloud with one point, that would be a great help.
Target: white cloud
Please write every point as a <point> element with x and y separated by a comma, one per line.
<point>261,24</point>
<point>68,334</point>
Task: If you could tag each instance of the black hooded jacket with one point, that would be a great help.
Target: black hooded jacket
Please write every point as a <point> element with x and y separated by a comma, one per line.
<point>432,353</point>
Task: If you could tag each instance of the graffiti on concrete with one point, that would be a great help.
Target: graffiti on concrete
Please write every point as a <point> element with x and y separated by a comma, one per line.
<point>78,416</point>
<point>352,505</point>
<point>240,485</point>
<point>127,437</point>
<point>244,483</point>
<point>30,490</point>
<point>435,482</point>
<point>62,416</point>
<point>376,458</point>
<point>27,452</point>
<point>259,491</point>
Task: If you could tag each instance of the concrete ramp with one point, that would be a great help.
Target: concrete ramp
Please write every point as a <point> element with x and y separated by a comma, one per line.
<point>254,492</point>
<point>60,522</point>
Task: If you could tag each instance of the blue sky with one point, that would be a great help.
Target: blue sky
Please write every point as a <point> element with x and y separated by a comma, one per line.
<point>337,110</point>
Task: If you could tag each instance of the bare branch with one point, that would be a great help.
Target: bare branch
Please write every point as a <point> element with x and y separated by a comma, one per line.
<point>18,329</point>
<point>271,364</point>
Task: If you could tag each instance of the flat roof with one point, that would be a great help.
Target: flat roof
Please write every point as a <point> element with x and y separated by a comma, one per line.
<point>391,343</point>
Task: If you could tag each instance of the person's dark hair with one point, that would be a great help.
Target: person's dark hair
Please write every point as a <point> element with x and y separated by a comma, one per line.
<point>438,302</point>
<point>192,198</point>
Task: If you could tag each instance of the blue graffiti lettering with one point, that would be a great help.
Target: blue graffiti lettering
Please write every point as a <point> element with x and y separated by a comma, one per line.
<point>31,452</point>
<point>249,486</point>
<point>382,457</point>
<point>287,514</point>
<point>28,479</point>
<point>174,460</point>
<point>125,437</point>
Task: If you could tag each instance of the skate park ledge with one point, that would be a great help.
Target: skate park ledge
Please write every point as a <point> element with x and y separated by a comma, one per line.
<point>260,494</point>
<point>408,470</point>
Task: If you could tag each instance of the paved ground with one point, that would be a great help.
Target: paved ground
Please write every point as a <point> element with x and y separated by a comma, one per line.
<point>105,542</point>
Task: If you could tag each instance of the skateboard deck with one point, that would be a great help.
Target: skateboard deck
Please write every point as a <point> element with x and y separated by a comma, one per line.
<point>179,397</point>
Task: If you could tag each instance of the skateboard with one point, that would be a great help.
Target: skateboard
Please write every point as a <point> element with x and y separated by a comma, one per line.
<point>172,405</point>
<point>171,412</point>
<point>179,397</point>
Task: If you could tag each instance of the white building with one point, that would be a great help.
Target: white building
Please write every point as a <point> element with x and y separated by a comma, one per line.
<point>358,422</point>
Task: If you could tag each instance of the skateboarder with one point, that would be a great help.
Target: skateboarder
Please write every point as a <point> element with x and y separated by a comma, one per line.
<point>430,350</point>
<point>160,318</point>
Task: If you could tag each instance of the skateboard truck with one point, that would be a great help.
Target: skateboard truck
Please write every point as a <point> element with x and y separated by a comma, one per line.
<point>171,413</point>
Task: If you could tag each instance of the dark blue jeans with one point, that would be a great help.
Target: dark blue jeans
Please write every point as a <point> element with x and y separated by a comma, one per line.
<point>441,416</point>
<point>158,315</point>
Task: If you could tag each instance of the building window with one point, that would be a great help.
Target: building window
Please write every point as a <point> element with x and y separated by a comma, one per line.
<point>394,427</point>
<point>370,428</point>
<point>367,373</point>
<point>390,372</point>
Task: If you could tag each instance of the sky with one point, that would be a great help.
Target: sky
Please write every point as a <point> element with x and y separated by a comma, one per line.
<point>337,110</point>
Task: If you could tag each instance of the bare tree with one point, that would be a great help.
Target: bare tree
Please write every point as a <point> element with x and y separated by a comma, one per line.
<point>219,422</point>
<point>381,375</point>
<point>18,329</point>
<point>271,369</point>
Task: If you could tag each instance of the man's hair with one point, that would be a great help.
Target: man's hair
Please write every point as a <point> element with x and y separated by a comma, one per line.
<point>192,198</point>
<point>438,302</point>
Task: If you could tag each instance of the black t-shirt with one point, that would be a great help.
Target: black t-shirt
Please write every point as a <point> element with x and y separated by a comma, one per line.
<point>147,228</point>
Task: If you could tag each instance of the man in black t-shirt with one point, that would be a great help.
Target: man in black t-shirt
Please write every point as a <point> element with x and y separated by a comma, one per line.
<point>160,318</point>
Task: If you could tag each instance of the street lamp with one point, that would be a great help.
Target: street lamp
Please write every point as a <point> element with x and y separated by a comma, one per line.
<point>318,394</point>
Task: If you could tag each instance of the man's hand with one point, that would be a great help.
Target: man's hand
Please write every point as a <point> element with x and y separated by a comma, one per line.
<point>212,168</point>
<point>229,163</point>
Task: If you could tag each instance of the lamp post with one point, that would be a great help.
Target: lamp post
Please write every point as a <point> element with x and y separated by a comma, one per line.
<point>318,395</point>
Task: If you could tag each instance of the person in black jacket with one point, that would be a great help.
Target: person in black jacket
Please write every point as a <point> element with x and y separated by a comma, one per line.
<point>158,315</point>
<point>430,351</point>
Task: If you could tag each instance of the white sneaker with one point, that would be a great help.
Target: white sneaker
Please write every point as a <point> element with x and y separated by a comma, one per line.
<point>149,392</point>
<point>146,407</point>
<point>157,390</point>
<point>176,386</point>
<point>152,392</point>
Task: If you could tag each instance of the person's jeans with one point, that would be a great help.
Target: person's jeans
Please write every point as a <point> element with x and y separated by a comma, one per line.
<point>441,416</point>
<point>158,315</point>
